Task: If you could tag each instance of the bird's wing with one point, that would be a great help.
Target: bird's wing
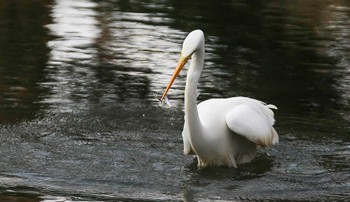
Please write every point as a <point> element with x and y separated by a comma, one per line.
<point>254,120</point>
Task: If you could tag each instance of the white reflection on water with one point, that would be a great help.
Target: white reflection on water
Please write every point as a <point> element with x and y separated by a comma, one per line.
<point>75,25</point>
<point>91,46</point>
<point>145,49</point>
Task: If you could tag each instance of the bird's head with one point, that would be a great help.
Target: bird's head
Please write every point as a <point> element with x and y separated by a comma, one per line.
<point>192,42</point>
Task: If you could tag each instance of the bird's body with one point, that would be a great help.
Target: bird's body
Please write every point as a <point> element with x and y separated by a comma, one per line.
<point>220,132</point>
<point>228,147</point>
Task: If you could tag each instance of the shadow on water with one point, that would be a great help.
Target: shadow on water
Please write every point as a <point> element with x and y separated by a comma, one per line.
<point>23,58</point>
<point>80,122</point>
<point>255,169</point>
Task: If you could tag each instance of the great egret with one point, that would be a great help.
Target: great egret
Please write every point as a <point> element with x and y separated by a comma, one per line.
<point>220,132</point>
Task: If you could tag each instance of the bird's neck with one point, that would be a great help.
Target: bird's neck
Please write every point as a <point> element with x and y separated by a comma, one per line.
<point>193,75</point>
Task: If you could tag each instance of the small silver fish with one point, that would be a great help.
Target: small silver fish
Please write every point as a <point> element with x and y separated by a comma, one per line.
<point>166,99</point>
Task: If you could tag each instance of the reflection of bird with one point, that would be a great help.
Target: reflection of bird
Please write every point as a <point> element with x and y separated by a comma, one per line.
<point>220,132</point>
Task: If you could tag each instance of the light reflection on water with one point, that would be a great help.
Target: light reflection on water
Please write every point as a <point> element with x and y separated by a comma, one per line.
<point>122,50</point>
<point>97,131</point>
<point>337,23</point>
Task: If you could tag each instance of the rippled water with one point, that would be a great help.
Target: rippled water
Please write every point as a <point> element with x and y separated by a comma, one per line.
<point>79,118</point>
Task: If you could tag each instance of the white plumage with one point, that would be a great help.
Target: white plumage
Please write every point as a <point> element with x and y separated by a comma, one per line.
<point>220,132</point>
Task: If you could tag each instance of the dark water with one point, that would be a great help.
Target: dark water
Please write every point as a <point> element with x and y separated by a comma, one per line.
<point>79,120</point>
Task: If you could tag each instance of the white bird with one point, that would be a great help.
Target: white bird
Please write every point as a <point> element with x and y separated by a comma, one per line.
<point>220,132</point>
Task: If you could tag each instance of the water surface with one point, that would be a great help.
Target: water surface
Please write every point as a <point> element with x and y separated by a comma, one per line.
<point>79,118</point>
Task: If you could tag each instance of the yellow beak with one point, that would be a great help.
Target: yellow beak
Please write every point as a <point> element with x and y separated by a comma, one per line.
<point>179,66</point>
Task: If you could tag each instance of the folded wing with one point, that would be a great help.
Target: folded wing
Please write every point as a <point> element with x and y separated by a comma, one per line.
<point>254,120</point>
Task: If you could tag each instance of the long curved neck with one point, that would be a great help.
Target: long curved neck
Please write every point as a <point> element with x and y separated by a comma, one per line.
<point>193,75</point>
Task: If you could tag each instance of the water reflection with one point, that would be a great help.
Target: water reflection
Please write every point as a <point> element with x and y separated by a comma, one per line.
<point>84,73</point>
<point>275,54</point>
<point>108,56</point>
<point>23,57</point>
<point>336,17</point>
<point>69,67</point>
<point>116,51</point>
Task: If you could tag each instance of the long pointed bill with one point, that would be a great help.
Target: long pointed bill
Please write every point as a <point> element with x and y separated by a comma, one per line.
<point>179,66</point>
